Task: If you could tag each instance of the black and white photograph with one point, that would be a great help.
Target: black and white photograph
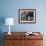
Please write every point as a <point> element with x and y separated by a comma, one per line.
<point>27,15</point>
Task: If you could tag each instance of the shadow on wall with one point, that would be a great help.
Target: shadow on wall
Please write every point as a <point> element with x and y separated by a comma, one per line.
<point>2,21</point>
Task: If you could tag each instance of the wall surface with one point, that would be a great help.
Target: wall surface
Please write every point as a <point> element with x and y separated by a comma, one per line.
<point>9,8</point>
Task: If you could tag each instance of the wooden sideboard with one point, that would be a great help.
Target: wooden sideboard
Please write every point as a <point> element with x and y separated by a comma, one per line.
<point>20,39</point>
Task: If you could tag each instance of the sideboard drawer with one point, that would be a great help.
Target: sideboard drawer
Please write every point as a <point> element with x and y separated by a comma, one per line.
<point>36,37</point>
<point>10,42</point>
<point>13,42</point>
<point>16,37</point>
<point>33,43</point>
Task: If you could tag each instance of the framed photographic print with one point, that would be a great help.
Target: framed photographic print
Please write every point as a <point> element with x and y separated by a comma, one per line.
<point>27,15</point>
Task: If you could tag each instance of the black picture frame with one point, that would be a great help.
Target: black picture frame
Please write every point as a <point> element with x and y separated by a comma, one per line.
<point>27,15</point>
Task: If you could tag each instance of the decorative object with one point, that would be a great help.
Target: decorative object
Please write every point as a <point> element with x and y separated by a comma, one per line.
<point>30,33</point>
<point>9,21</point>
<point>27,15</point>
